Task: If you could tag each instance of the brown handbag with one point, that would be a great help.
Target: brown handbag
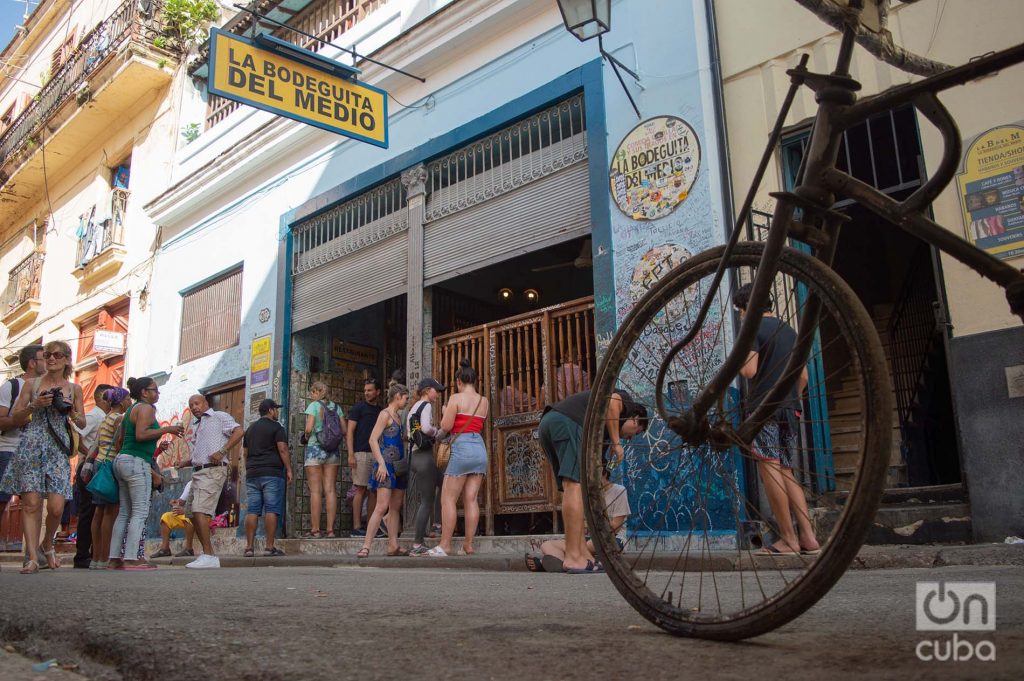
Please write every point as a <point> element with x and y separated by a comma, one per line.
<point>443,449</point>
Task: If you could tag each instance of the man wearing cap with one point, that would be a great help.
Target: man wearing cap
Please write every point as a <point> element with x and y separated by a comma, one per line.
<point>214,435</point>
<point>267,470</point>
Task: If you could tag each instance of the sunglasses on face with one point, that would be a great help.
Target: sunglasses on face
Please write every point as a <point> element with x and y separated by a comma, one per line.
<point>55,355</point>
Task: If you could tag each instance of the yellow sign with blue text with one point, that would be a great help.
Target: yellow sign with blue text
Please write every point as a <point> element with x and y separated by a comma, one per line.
<point>244,72</point>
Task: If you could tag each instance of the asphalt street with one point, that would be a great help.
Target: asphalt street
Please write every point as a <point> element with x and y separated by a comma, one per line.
<point>373,623</point>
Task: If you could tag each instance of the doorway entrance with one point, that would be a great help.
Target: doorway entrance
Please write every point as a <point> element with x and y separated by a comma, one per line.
<point>897,277</point>
<point>230,398</point>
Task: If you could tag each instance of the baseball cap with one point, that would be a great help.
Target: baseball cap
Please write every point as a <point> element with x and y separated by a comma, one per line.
<point>430,383</point>
<point>267,405</point>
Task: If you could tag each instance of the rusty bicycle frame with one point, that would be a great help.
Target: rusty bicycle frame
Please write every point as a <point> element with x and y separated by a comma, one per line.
<point>818,184</point>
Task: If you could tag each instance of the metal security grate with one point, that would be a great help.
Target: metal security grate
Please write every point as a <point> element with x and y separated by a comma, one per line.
<point>365,220</point>
<point>528,150</point>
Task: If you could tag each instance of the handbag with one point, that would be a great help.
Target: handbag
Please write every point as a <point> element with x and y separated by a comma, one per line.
<point>103,485</point>
<point>443,449</point>
<point>400,466</point>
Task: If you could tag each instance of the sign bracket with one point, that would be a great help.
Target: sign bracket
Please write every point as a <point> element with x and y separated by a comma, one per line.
<point>335,64</point>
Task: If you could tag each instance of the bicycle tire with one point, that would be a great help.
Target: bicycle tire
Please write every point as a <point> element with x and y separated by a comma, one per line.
<point>864,495</point>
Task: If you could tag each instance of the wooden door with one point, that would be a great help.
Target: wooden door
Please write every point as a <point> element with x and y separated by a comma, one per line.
<point>231,399</point>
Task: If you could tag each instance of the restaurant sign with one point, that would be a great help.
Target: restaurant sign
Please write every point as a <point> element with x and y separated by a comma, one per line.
<point>300,85</point>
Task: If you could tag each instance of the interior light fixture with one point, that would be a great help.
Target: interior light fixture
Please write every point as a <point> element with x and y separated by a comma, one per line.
<point>505,294</point>
<point>531,295</point>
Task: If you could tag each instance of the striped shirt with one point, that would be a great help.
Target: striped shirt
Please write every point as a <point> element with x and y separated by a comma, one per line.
<point>105,437</point>
<point>210,432</point>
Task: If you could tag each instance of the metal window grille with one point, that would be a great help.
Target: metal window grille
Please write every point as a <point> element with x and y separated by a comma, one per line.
<point>360,222</point>
<point>23,282</point>
<point>211,316</point>
<point>528,150</point>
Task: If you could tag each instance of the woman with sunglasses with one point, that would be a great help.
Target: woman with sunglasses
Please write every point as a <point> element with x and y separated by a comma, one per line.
<point>40,467</point>
<point>135,445</point>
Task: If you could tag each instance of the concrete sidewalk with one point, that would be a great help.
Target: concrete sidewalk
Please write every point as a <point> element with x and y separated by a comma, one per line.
<point>506,554</point>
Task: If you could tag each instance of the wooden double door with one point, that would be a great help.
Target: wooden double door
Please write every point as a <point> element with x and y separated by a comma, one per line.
<point>525,363</point>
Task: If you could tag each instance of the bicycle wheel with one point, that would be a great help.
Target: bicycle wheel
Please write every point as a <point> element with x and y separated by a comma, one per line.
<point>690,562</point>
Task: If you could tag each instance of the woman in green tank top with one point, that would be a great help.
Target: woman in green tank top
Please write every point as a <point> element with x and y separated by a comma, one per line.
<point>132,469</point>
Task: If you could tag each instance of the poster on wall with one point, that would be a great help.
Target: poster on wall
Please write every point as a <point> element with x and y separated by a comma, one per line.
<point>654,168</point>
<point>259,361</point>
<point>991,188</point>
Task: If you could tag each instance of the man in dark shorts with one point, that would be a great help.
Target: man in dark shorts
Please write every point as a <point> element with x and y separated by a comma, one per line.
<point>361,420</point>
<point>267,471</point>
<point>774,445</point>
<point>560,432</point>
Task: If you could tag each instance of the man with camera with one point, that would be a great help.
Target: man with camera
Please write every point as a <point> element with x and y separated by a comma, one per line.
<point>214,435</point>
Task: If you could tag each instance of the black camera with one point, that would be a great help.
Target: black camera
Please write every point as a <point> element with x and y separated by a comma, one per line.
<point>59,403</point>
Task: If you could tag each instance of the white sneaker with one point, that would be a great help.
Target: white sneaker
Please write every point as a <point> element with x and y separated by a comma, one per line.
<point>204,562</point>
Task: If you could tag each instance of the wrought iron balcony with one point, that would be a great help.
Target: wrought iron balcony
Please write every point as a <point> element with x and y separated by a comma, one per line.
<point>130,23</point>
<point>21,299</point>
<point>101,249</point>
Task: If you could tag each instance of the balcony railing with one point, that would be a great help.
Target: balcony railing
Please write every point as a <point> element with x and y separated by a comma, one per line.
<point>326,19</point>
<point>130,21</point>
<point>23,282</point>
<point>107,232</point>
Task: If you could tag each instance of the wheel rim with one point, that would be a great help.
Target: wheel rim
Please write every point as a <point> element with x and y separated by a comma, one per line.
<point>688,565</point>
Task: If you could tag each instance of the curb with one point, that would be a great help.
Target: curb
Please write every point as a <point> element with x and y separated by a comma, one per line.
<point>869,558</point>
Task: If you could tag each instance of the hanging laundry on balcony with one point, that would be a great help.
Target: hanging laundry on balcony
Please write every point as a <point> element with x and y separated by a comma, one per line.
<point>89,243</point>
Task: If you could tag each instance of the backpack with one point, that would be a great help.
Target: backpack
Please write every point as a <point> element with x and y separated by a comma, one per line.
<point>417,437</point>
<point>15,389</point>
<point>331,432</point>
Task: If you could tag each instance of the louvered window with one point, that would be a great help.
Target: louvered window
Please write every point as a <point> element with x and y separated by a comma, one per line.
<point>211,315</point>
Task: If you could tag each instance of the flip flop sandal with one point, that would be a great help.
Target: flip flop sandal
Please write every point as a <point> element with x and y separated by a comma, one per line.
<point>363,553</point>
<point>399,552</point>
<point>30,568</point>
<point>552,564</point>
<point>590,569</point>
<point>143,567</point>
<point>809,552</point>
<point>330,535</point>
<point>772,551</point>
<point>312,535</point>
<point>272,553</point>
<point>162,553</point>
<point>534,563</point>
<point>248,553</point>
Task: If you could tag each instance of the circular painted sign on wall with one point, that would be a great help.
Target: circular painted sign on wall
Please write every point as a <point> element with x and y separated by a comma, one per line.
<point>654,167</point>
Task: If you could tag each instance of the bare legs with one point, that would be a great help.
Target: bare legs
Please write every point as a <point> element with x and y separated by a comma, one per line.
<point>357,505</point>
<point>314,478</point>
<point>31,522</point>
<point>389,502</point>
<point>468,487</point>
<point>329,480</point>
<point>269,528</point>
<point>201,523</point>
<point>786,496</point>
<point>576,553</point>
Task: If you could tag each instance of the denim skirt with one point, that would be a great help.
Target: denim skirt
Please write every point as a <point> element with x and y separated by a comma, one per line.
<point>469,456</point>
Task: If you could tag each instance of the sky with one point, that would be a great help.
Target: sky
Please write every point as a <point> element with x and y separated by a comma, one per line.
<point>11,13</point>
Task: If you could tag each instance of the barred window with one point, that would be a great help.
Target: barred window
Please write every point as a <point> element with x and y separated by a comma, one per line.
<point>211,315</point>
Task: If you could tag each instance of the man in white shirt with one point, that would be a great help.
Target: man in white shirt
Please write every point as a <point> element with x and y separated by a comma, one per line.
<point>32,366</point>
<point>83,499</point>
<point>214,435</point>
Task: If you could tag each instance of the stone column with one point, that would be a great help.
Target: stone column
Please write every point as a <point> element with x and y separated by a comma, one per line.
<point>415,182</point>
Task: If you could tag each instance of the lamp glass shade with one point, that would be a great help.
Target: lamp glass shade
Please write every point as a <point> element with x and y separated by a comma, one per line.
<point>586,19</point>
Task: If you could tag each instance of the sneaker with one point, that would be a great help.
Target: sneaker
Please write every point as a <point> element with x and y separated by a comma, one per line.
<point>204,562</point>
<point>185,553</point>
<point>381,534</point>
<point>358,532</point>
<point>419,550</point>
